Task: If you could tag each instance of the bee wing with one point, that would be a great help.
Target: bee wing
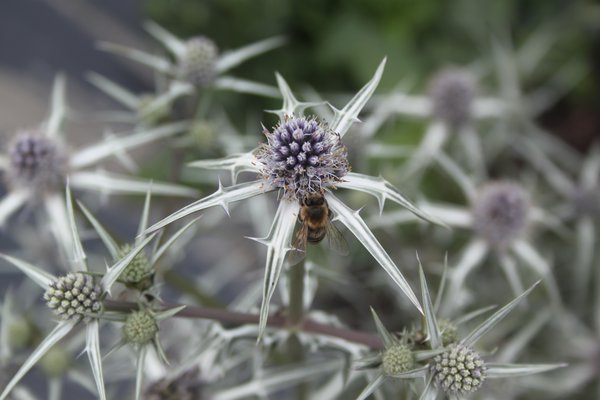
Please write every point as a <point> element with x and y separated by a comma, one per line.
<point>298,253</point>
<point>336,241</point>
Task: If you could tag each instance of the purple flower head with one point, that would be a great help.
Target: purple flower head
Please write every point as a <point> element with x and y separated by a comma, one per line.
<point>302,156</point>
<point>36,162</point>
<point>452,93</point>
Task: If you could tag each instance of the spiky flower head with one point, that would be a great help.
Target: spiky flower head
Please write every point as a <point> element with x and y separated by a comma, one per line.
<point>302,156</point>
<point>197,65</point>
<point>138,270</point>
<point>397,359</point>
<point>36,162</point>
<point>459,369</point>
<point>452,93</point>
<point>74,296</point>
<point>501,213</point>
<point>140,327</point>
<point>184,387</point>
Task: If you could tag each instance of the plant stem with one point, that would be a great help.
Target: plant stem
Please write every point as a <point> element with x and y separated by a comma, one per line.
<point>295,315</point>
<point>275,321</point>
<point>295,312</point>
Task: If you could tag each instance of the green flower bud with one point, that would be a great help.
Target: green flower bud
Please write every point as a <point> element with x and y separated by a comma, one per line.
<point>140,327</point>
<point>56,362</point>
<point>459,369</point>
<point>197,65</point>
<point>449,331</point>
<point>397,359</point>
<point>20,333</point>
<point>139,271</point>
<point>74,296</point>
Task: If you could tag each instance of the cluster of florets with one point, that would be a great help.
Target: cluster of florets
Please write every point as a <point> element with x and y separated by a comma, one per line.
<point>138,269</point>
<point>74,296</point>
<point>452,93</point>
<point>36,162</point>
<point>184,387</point>
<point>397,359</point>
<point>448,330</point>
<point>501,213</point>
<point>197,65</point>
<point>459,369</point>
<point>140,327</point>
<point>302,156</point>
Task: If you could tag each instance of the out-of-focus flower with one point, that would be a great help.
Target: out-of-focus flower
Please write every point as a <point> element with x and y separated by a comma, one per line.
<point>197,64</point>
<point>38,163</point>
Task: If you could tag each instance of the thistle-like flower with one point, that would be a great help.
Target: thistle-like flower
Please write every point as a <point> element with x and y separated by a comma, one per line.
<point>198,63</point>
<point>37,165</point>
<point>452,93</point>
<point>74,298</point>
<point>455,369</point>
<point>303,156</point>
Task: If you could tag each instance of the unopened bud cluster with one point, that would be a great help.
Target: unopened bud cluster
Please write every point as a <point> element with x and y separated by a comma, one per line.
<point>74,296</point>
<point>458,370</point>
<point>140,327</point>
<point>397,359</point>
<point>138,269</point>
<point>302,156</point>
<point>449,331</point>
<point>197,65</point>
<point>36,162</point>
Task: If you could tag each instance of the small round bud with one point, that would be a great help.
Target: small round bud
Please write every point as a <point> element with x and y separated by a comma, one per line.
<point>397,359</point>
<point>138,271</point>
<point>21,333</point>
<point>197,65</point>
<point>501,213</point>
<point>140,327</point>
<point>36,162</point>
<point>449,331</point>
<point>452,93</point>
<point>459,369</point>
<point>303,156</point>
<point>74,296</point>
<point>56,362</point>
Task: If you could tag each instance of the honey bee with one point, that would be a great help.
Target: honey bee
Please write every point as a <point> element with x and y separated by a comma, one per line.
<point>315,218</point>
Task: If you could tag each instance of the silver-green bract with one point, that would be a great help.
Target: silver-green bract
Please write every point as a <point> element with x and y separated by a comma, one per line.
<point>46,281</point>
<point>278,241</point>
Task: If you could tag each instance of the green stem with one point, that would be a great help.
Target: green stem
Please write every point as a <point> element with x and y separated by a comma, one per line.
<point>295,315</point>
<point>295,312</point>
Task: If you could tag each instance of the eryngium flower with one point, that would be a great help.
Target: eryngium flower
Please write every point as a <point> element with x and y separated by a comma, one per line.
<point>138,269</point>
<point>36,162</point>
<point>302,156</point>
<point>197,64</point>
<point>501,213</point>
<point>452,94</point>
<point>140,327</point>
<point>397,359</point>
<point>459,369</point>
<point>74,296</point>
